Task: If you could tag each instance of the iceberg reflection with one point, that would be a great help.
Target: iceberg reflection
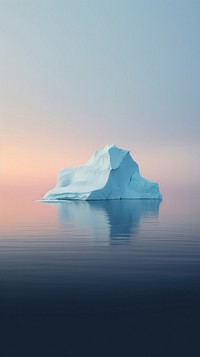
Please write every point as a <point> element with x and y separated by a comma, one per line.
<point>113,220</point>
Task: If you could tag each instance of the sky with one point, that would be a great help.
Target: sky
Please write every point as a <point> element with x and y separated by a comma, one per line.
<point>77,75</point>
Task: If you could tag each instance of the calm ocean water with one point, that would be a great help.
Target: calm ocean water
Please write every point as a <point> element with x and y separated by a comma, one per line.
<point>100,278</point>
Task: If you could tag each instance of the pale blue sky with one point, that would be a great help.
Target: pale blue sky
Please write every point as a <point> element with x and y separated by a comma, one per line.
<point>76,75</point>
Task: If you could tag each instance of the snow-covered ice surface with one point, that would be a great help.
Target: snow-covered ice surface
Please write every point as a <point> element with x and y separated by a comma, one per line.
<point>110,173</point>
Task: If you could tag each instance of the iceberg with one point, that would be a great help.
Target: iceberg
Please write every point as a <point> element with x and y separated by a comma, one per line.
<point>110,173</point>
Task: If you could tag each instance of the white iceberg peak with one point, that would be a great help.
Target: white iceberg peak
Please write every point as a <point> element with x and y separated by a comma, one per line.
<point>110,173</point>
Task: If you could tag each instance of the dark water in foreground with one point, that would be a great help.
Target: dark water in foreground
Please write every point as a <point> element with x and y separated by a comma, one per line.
<point>114,278</point>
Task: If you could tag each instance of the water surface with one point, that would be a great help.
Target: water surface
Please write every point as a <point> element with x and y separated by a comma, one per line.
<point>100,278</point>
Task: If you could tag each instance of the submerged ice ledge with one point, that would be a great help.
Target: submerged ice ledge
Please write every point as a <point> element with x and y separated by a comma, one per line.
<point>110,173</point>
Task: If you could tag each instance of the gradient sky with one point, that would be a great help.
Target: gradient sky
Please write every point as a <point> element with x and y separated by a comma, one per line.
<point>77,75</point>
